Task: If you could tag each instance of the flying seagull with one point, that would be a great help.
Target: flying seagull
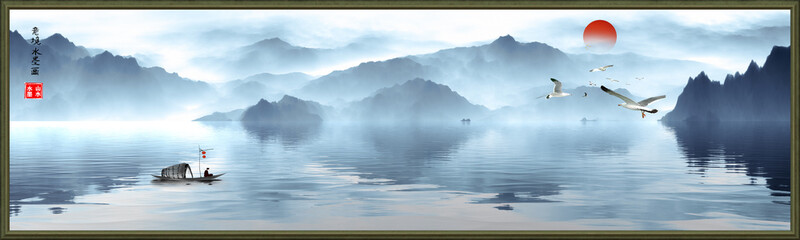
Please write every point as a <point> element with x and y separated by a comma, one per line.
<point>601,68</point>
<point>630,104</point>
<point>592,84</point>
<point>613,80</point>
<point>556,90</point>
<point>639,78</point>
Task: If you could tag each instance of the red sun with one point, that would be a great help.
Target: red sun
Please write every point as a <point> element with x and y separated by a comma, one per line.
<point>599,36</point>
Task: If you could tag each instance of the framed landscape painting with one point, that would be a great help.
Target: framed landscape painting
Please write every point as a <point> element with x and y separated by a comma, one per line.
<point>248,119</point>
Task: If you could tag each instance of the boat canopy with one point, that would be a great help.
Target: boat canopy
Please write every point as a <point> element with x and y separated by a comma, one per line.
<point>176,171</point>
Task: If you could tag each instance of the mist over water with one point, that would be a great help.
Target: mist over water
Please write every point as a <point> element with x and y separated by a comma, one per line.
<point>574,175</point>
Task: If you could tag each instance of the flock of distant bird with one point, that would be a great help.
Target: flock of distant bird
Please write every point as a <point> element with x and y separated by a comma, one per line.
<point>629,104</point>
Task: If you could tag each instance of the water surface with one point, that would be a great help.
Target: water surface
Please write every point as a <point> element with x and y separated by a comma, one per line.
<point>540,176</point>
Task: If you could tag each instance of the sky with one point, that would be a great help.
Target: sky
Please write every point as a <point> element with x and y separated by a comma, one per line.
<point>171,39</point>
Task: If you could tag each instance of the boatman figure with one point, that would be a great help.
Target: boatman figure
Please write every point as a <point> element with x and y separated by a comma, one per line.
<point>206,174</point>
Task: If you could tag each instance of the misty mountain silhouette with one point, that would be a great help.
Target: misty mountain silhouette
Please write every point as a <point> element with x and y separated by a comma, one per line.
<point>288,110</point>
<point>234,115</point>
<point>243,92</point>
<point>416,100</point>
<point>288,81</point>
<point>504,64</point>
<point>272,43</point>
<point>57,41</point>
<point>760,94</point>
<point>479,73</point>
<point>360,81</point>
<point>274,55</point>
<point>100,87</point>
<point>108,87</point>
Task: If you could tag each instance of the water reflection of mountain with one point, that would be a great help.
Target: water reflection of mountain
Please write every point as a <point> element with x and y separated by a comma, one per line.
<point>407,153</point>
<point>45,180</point>
<point>440,156</point>
<point>288,134</point>
<point>758,149</point>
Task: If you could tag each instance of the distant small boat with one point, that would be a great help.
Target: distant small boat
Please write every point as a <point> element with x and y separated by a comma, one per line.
<point>587,120</point>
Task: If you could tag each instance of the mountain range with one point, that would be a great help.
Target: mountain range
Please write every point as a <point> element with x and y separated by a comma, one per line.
<point>77,86</point>
<point>505,66</point>
<point>274,55</point>
<point>360,81</point>
<point>504,75</point>
<point>760,94</point>
<point>415,100</point>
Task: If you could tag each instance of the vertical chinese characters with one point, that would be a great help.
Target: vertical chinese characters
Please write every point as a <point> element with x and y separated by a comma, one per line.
<point>34,89</point>
<point>35,61</point>
<point>35,53</point>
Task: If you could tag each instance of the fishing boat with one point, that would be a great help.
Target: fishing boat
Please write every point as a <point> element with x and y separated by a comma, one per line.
<point>212,178</point>
<point>178,171</point>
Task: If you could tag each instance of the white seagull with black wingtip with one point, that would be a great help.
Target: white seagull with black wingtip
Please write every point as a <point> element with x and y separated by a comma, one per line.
<point>556,90</point>
<point>603,68</point>
<point>630,104</point>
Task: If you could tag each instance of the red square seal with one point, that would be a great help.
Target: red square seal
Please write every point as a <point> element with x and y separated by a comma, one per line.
<point>33,90</point>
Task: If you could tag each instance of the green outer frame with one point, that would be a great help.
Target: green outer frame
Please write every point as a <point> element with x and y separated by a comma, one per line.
<point>5,6</point>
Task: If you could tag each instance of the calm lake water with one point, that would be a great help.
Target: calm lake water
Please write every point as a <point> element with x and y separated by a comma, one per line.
<point>542,176</point>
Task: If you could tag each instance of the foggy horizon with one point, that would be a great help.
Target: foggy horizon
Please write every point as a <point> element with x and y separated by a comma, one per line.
<point>722,38</point>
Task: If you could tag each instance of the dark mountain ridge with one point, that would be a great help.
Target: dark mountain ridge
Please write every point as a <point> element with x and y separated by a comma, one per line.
<point>760,94</point>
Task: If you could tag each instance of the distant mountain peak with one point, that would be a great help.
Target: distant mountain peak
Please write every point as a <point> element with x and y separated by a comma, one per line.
<point>507,37</point>
<point>287,98</point>
<point>273,42</point>
<point>777,54</point>
<point>700,80</point>
<point>753,67</point>
<point>394,62</point>
<point>105,54</point>
<point>417,84</point>
<point>416,100</point>
<point>16,36</point>
<point>505,40</point>
<point>287,110</point>
<point>778,50</point>
<point>419,81</point>
<point>702,76</point>
<point>58,40</point>
<point>56,36</point>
